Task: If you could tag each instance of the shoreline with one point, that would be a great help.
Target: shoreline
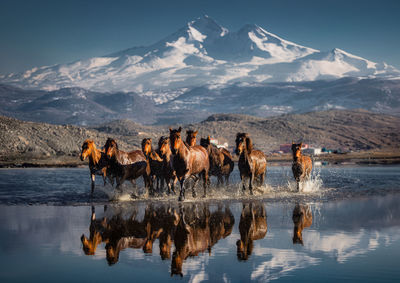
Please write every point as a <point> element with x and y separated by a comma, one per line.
<point>355,158</point>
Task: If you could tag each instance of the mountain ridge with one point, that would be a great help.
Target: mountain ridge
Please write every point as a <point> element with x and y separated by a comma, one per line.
<point>201,52</point>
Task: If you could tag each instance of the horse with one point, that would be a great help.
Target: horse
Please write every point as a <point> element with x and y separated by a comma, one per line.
<point>168,172</point>
<point>198,231</point>
<point>191,137</point>
<point>97,228</point>
<point>302,218</point>
<point>188,161</point>
<point>155,161</point>
<point>127,165</point>
<point>221,163</point>
<point>192,236</point>
<point>252,163</point>
<point>301,166</point>
<point>160,224</point>
<point>252,226</point>
<point>98,162</point>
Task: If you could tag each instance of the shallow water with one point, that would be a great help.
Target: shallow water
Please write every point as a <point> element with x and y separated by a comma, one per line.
<point>350,218</point>
<point>72,186</point>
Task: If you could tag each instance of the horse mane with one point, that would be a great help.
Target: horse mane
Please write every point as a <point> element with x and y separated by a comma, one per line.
<point>162,140</point>
<point>109,141</point>
<point>249,145</point>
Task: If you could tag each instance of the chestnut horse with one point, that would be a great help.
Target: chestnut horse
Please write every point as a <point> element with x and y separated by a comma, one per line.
<point>302,218</point>
<point>252,163</point>
<point>168,172</point>
<point>221,163</point>
<point>198,231</point>
<point>155,161</point>
<point>127,165</point>
<point>301,166</point>
<point>191,137</point>
<point>188,161</point>
<point>252,226</point>
<point>98,162</point>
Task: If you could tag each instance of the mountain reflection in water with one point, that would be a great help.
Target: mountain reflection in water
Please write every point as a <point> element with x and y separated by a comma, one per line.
<point>232,241</point>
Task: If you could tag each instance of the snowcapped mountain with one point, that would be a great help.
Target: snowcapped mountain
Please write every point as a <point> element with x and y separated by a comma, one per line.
<point>202,53</point>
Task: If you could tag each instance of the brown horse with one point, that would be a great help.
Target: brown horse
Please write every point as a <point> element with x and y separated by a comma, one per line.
<point>198,231</point>
<point>127,165</point>
<point>98,162</point>
<point>168,172</point>
<point>192,236</point>
<point>252,226</point>
<point>252,163</point>
<point>302,218</point>
<point>221,163</point>
<point>191,137</point>
<point>155,161</point>
<point>188,161</point>
<point>96,229</point>
<point>160,224</point>
<point>301,166</point>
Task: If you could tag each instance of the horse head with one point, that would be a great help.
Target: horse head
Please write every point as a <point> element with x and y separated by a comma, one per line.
<point>296,149</point>
<point>146,146</point>
<point>163,145</point>
<point>191,137</point>
<point>243,142</point>
<point>175,139</point>
<point>87,148</point>
<point>90,245</point>
<point>110,147</point>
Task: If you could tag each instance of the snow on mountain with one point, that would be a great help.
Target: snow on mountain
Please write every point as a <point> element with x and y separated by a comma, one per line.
<point>201,53</point>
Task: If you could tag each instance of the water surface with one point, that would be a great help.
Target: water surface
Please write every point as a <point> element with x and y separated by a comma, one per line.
<point>345,226</point>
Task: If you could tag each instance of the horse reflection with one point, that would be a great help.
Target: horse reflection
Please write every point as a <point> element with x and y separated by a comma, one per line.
<point>302,218</point>
<point>96,230</point>
<point>252,226</point>
<point>119,232</point>
<point>197,231</point>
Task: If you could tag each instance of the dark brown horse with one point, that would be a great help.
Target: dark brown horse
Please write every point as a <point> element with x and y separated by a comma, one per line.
<point>168,172</point>
<point>252,226</point>
<point>127,165</point>
<point>155,161</point>
<point>191,137</point>
<point>301,166</point>
<point>221,163</point>
<point>188,161</point>
<point>98,162</point>
<point>252,163</point>
<point>302,218</point>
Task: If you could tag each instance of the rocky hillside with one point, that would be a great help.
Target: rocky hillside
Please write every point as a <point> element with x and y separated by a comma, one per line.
<point>348,130</point>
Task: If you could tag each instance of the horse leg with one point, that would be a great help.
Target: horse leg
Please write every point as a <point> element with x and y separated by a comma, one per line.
<point>251,183</point>
<point>205,182</point>
<point>93,179</point>
<point>182,193</point>
<point>196,180</point>
<point>227,179</point>
<point>243,178</point>
<point>174,180</point>
<point>262,178</point>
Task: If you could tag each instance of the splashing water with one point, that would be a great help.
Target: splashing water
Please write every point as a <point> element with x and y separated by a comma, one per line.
<point>313,184</point>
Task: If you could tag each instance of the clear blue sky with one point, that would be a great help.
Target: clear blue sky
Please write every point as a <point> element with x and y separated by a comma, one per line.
<point>39,32</point>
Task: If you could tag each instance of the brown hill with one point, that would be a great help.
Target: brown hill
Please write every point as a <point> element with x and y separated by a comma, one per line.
<point>347,130</point>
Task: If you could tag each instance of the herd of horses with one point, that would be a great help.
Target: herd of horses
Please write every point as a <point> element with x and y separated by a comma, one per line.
<point>176,160</point>
<point>192,229</point>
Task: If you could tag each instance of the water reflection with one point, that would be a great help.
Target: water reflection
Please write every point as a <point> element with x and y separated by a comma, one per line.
<point>252,226</point>
<point>302,218</point>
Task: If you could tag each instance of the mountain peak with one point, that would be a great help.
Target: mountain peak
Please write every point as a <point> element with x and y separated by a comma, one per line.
<point>207,26</point>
